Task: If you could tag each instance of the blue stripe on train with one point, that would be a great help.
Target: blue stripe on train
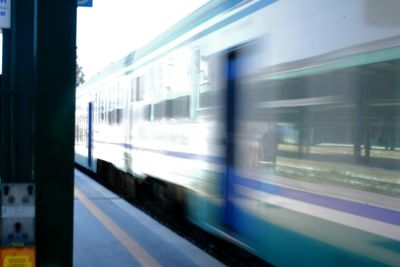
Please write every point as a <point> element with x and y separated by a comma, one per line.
<point>364,210</point>
<point>176,154</point>
<point>360,209</point>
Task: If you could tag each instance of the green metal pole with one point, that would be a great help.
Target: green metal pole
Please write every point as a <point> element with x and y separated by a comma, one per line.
<point>16,95</point>
<point>55,61</point>
<point>37,117</point>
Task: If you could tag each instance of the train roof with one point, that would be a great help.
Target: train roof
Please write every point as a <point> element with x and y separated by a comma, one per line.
<point>196,18</point>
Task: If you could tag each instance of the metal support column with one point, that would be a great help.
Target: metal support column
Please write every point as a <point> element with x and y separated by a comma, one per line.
<point>55,50</point>
<point>37,104</point>
<point>16,95</point>
<point>16,146</point>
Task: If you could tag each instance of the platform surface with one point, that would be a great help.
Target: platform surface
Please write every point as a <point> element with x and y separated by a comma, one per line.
<point>108,231</point>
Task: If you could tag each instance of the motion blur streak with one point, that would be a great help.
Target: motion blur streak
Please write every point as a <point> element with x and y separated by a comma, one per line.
<point>274,124</point>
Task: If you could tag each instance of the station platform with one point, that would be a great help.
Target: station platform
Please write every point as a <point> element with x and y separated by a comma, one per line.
<point>108,231</point>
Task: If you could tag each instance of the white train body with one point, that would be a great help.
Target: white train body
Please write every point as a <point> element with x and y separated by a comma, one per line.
<point>161,112</point>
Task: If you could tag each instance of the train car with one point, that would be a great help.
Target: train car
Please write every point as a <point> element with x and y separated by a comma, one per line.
<point>275,123</point>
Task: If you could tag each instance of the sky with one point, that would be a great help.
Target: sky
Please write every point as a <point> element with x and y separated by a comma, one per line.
<point>112,29</point>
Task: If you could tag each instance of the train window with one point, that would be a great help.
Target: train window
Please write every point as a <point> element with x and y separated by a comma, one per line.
<point>334,124</point>
<point>108,117</point>
<point>102,117</point>
<point>208,94</point>
<point>96,108</point>
<point>139,88</point>
<point>113,96</point>
<point>204,71</point>
<point>139,112</point>
<point>180,107</point>
<point>177,108</point>
<point>132,89</point>
<point>106,105</point>
<point>160,110</point>
<point>209,99</point>
<point>147,112</point>
<point>81,127</point>
<point>119,115</point>
<point>117,95</point>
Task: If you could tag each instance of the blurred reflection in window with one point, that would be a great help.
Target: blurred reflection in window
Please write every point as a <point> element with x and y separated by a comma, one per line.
<point>334,124</point>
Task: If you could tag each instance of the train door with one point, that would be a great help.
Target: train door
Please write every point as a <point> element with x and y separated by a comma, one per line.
<point>227,187</point>
<point>243,139</point>
<point>90,134</point>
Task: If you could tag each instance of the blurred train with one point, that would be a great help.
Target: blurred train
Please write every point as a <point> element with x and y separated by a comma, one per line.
<point>275,122</point>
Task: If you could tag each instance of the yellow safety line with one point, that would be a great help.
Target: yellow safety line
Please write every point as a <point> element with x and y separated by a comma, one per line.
<point>134,248</point>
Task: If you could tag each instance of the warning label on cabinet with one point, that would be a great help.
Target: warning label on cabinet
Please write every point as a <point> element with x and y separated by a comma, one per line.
<point>17,257</point>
